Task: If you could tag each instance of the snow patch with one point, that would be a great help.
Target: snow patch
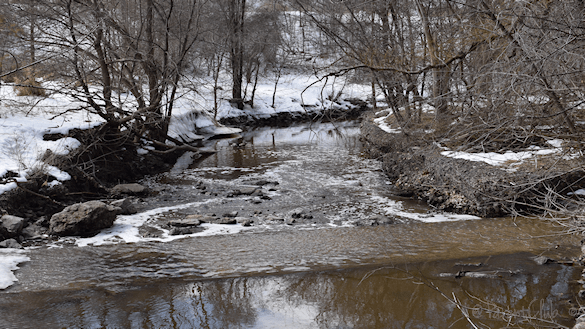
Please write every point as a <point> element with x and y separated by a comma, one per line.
<point>9,259</point>
<point>381,122</point>
<point>395,208</point>
<point>126,228</point>
<point>498,159</point>
<point>578,192</point>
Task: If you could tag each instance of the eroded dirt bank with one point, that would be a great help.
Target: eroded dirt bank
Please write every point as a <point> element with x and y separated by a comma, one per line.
<point>417,168</point>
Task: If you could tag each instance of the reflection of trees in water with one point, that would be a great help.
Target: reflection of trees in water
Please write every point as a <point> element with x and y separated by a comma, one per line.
<point>388,298</point>
<point>222,303</point>
<point>523,298</point>
<point>384,300</point>
<point>393,299</point>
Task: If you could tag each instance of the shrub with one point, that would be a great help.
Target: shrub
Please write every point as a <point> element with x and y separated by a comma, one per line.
<point>29,86</point>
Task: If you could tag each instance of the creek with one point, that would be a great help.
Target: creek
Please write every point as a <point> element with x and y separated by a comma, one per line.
<point>333,267</point>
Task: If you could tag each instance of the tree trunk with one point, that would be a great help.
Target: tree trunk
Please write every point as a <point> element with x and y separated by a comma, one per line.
<point>237,11</point>
<point>440,73</point>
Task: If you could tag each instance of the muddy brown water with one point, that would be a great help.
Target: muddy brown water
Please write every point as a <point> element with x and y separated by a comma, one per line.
<point>320,272</point>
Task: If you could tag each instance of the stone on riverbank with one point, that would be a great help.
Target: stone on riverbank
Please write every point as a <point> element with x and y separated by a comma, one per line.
<point>225,221</point>
<point>33,231</point>
<point>10,243</point>
<point>11,226</point>
<point>244,221</point>
<point>83,219</point>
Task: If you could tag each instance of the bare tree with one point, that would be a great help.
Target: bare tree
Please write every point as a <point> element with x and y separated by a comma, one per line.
<point>236,11</point>
<point>136,46</point>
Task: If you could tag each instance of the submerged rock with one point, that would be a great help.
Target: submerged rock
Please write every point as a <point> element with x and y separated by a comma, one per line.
<point>365,222</point>
<point>83,219</point>
<point>374,221</point>
<point>265,182</point>
<point>273,218</point>
<point>541,260</point>
<point>244,191</point>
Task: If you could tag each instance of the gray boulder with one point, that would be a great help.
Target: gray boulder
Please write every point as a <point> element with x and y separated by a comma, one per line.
<point>230,214</point>
<point>185,222</point>
<point>10,243</point>
<point>83,219</point>
<point>11,225</point>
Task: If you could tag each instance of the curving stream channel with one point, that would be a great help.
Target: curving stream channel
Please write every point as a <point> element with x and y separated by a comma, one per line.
<point>330,246</point>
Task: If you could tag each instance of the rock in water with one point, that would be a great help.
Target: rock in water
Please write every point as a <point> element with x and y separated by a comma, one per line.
<point>185,222</point>
<point>125,205</point>
<point>83,219</point>
<point>541,260</point>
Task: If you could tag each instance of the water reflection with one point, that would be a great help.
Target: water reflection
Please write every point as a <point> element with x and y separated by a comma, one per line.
<point>263,146</point>
<point>391,297</point>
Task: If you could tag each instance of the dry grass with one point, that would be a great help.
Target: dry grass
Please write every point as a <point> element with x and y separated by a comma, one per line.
<point>29,85</point>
